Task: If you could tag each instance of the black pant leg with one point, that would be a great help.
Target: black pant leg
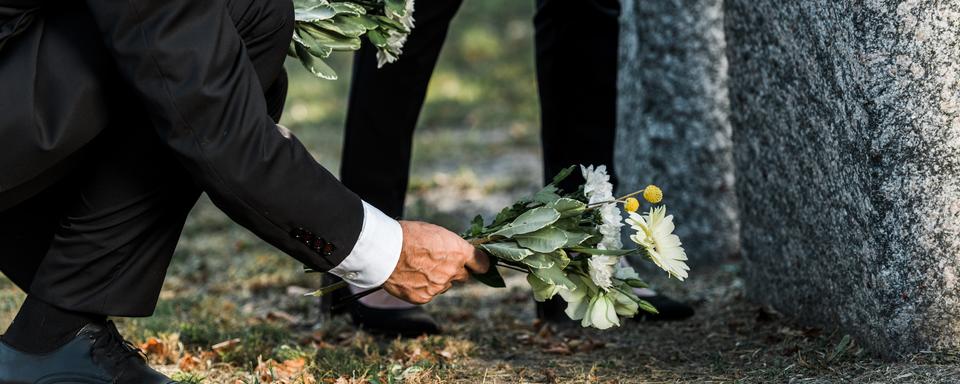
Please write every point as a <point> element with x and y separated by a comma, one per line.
<point>26,232</point>
<point>100,241</point>
<point>576,53</point>
<point>384,106</point>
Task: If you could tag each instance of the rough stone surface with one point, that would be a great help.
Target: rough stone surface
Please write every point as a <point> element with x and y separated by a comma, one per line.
<point>673,118</point>
<point>846,119</point>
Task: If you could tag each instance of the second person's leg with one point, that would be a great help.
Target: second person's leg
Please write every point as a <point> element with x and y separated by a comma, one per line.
<point>578,88</point>
<point>382,114</point>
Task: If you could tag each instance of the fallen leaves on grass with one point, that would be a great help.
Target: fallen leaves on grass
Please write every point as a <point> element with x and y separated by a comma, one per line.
<point>162,350</point>
<point>293,371</point>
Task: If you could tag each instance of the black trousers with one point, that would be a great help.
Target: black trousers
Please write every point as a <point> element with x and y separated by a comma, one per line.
<point>100,240</point>
<point>576,54</point>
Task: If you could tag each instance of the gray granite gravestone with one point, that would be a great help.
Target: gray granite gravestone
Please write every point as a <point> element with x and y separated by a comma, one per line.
<point>846,118</point>
<point>672,117</point>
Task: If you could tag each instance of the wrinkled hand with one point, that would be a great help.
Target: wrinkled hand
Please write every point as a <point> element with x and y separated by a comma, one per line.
<point>431,260</point>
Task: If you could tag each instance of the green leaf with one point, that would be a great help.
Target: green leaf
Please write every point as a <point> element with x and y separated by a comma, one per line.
<point>386,22</point>
<point>542,290</point>
<point>554,275</point>
<point>575,238</point>
<point>605,252</point>
<point>845,343</point>
<point>333,40</point>
<point>560,256</point>
<point>563,174</point>
<point>646,306</point>
<point>343,7</point>
<point>506,250</point>
<point>343,26</point>
<point>508,214</point>
<point>529,221</point>
<point>315,13</point>
<point>476,226</point>
<point>539,261</point>
<point>546,195</point>
<point>377,38</point>
<point>545,240</point>
<point>364,20</point>
<point>315,65</point>
<point>314,47</point>
<point>492,277</point>
<point>568,207</point>
<point>395,7</point>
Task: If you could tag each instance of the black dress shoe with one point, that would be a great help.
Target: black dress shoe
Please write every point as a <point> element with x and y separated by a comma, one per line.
<point>552,311</point>
<point>407,322</point>
<point>669,309</point>
<point>96,355</point>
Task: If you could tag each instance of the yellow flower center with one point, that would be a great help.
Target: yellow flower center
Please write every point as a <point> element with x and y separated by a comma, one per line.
<point>631,205</point>
<point>653,194</point>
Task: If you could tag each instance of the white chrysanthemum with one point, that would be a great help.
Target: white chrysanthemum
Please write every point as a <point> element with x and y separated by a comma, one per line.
<point>655,234</point>
<point>598,189</point>
<point>610,229</point>
<point>601,270</point>
<point>396,39</point>
<point>407,18</point>
<point>393,50</point>
<point>597,186</point>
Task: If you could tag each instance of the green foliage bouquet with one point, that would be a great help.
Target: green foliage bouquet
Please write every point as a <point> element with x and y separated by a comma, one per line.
<point>568,243</point>
<point>326,26</point>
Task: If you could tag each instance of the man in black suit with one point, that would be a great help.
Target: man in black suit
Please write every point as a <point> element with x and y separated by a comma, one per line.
<point>117,114</point>
<point>576,54</point>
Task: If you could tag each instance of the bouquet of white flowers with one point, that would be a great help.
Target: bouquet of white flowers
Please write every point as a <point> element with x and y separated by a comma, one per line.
<point>326,26</point>
<point>568,243</point>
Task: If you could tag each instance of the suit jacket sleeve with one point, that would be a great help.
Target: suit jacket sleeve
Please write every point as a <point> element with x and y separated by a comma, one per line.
<point>186,61</point>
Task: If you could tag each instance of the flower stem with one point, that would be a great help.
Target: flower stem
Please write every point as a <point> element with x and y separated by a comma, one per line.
<point>479,241</point>
<point>619,200</point>
<point>508,266</point>
<point>330,288</point>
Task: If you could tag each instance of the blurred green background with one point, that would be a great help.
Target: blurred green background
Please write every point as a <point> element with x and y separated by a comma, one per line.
<point>484,85</point>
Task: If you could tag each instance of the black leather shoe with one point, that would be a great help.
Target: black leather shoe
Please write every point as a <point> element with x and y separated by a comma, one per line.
<point>669,309</point>
<point>96,355</point>
<point>552,311</point>
<point>408,322</point>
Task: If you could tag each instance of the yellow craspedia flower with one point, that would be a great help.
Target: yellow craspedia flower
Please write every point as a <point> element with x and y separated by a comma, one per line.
<point>653,194</point>
<point>631,205</point>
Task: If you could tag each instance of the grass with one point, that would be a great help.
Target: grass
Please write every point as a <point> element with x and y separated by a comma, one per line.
<point>232,309</point>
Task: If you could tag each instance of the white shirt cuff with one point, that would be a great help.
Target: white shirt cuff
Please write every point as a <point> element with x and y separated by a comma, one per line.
<point>374,257</point>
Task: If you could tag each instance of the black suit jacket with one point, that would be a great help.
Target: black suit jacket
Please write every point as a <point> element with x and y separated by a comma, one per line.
<point>186,62</point>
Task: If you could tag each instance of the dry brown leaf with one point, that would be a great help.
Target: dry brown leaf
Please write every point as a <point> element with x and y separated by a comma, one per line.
<point>163,350</point>
<point>283,316</point>
<point>293,371</point>
<point>559,349</point>
<point>225,345</point>
<point>189,363</point>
